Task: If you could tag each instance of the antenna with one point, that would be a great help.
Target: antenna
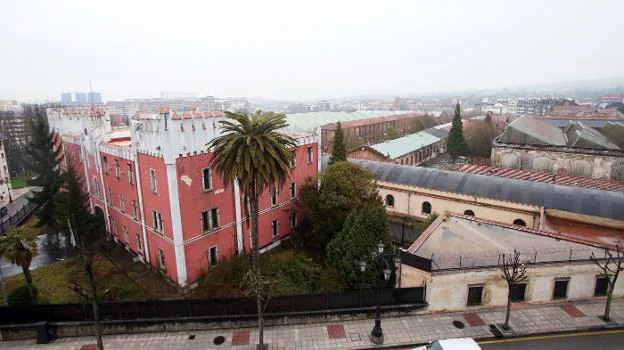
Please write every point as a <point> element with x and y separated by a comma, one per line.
<point>91,93</point>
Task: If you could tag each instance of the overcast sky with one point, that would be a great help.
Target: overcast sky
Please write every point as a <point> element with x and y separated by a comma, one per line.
<point>300,49</point>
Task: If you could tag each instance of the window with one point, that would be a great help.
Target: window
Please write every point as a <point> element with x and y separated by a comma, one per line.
<point>135,210</point>
<point>469,212</point>
<point>519,222</point>
<point>117,169</point>
<point>310,154</point>
<point>96,188</point>
<point>518,291</point>
<point>153,184</point>
<point>122,203</point>
<point>273,197</point>
<point>293,190</point>
<point>210,219</point>
<point>161,259</point>
<point>124,229</point>
<point>602,285</point>
<point>475,295</point>
<point>207,179</point>
<point>110,198</point>
<point>157,221</point>
<point>293,219</point>
<point>426,208</point>
<point>274,228</point>
<point>139,243</point>
<point>105,161</point>
<point>213,256</point>
<point>113,223</point>
<point>560,291</point>
<point>130,174</point>
<point>390,200</point>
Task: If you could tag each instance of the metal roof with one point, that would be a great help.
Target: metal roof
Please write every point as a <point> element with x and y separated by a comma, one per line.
<point>406,144</point>
<point>586,201</point>
<point>312,120</point>
<point>578,132</point>
<point>441,133</point>
<point>538,129</point>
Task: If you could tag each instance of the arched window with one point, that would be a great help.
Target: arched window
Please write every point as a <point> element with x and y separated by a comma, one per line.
<point>519,222</point>
<point>390,200</point>
<point>469,212</point>
<point>426,208</point>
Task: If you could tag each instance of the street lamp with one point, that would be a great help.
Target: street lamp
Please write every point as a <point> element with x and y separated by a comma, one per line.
<point>378,255</point>
<point>8,189</point>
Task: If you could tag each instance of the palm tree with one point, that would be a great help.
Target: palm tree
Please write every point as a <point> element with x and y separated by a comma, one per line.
<point>19,245</point>
<point>253,151</point>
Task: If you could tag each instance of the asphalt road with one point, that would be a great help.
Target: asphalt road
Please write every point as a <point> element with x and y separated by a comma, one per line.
<point>17,204</point>
<point>606,340</point>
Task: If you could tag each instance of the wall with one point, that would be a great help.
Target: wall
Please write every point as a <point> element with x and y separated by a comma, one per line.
<point>448,290</point>
<point>594,164</point>
<point>368,154</point>
<point>409,200</point>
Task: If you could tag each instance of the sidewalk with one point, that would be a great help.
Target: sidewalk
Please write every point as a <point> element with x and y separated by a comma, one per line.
<point>398,331</point>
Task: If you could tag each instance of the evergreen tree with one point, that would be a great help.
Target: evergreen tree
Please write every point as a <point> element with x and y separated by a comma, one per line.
<point>456,145</point>
<point>361,233</point>
<point>339,152</point>
<point>392,134</point>
<point>44,157</point>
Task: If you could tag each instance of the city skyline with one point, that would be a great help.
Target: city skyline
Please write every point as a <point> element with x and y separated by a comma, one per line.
<point>287,51</point>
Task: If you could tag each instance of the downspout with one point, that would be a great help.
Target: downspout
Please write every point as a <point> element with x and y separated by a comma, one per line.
<point>137,176</point>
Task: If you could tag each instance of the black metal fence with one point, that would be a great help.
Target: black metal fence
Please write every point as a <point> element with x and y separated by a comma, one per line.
<point>209,308</point>
<point>16,217</point>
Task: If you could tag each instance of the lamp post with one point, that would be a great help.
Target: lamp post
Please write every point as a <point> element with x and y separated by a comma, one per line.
<point>376,335</point>
<point>8,189</point>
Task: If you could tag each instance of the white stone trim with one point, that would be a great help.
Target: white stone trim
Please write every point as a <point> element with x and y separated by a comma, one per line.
<point>239,217</point>
<point>137,183</point>
<point>176,222</point>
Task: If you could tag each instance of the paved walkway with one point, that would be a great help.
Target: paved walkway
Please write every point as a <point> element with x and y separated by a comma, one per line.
<point>398,331</point>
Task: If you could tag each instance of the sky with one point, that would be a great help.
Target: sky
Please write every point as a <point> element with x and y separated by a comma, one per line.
<point>300,49</point>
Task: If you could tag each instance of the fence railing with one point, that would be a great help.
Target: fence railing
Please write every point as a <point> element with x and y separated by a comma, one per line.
<point>16,217</point>
<point>222,308</point>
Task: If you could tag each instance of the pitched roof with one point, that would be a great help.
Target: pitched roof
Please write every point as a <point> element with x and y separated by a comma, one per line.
<point>406,144</point>
<point>586,201</point>
<point>439,133</point>
<point>457,241</point>
<point>522,174</point>
<point>537,129</point>
<point>582,136</point>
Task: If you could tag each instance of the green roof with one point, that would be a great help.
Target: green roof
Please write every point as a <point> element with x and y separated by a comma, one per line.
<point>312,120</point>
<point>406,144</point>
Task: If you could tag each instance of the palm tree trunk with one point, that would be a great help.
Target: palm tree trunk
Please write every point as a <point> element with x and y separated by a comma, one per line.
<point>96,312</point>
<point>28,278</point>
<point>255,258</point>
<point>507,314</point>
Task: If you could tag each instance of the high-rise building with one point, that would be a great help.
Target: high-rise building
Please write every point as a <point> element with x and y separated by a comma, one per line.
<point>324,106</point>
<point>81,98</point>
<point>94,97</point>
<point>66,98</point>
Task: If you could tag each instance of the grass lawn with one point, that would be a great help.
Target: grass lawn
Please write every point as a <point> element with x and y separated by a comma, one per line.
<point>19,181</point>
<point>53,282</point>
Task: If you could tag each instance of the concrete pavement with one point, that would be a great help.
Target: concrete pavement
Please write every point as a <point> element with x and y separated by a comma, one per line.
<point>399,331</point>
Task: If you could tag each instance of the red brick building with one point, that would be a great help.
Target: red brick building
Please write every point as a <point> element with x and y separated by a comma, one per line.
<point>152,183</point>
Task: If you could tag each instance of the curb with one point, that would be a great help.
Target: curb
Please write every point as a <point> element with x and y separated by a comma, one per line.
<point>606,327</point>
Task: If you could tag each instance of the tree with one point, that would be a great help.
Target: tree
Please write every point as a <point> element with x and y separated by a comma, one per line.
<point>361,233</point>
<point>479,139</point>
<point>339,150</point>
<point>456,144</point>
<point>392,133</point>
<point>253,151</point>
<point>424,122</point>
<point>513,270</point>
<point>323,209</point>
<point>19,245</point>
<point>611,266</point>
<point>44,157</point>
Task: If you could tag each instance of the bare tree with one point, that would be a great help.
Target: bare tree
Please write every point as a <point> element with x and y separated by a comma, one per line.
<point>611,265</point>
<point>513,270</point>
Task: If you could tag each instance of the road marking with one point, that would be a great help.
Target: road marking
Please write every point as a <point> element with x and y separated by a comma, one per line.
<point>541,337</point>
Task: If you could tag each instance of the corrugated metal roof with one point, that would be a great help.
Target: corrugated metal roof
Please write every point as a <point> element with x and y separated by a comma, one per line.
<point>588,201</point>
<point>564,180</point>
<point>577,132</point>
<point>406,144</point>
<point>312,120</point>
<point>538,129</point>
<point>440,133</point>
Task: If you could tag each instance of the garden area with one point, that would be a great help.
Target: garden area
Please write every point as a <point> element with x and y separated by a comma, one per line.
<point>20,181</point>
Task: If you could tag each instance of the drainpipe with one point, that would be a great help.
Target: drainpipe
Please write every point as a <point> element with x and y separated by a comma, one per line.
<point>137,183</point>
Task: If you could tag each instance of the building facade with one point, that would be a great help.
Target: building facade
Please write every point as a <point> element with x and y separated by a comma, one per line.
<point>5,176</point>
<point>412,149</point>
<point>153,185</point>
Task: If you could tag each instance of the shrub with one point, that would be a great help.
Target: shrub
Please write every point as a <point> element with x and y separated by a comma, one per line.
<point>21,296</point>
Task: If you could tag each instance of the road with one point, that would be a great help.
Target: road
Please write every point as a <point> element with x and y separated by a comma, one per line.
<point>20,199</point>
<point>602,340</point>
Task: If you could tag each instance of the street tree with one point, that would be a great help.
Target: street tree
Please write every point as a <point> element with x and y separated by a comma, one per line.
<point>253,151</point>
<point>513,270</point>
<point>43,159</point>
<point>361,233</point>
<point>392,133</point>
<point>611,265</point>
<point>339,150</point>
<point>19,245</point>
<point>456,144</point>
<point>344,188</point>
<point>479,139</point>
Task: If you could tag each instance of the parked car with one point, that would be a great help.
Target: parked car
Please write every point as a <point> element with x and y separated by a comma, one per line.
<point>451,344</point>
<point>3,211</point>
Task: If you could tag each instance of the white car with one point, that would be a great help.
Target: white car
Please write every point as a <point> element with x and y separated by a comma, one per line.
<point>451,344</point>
